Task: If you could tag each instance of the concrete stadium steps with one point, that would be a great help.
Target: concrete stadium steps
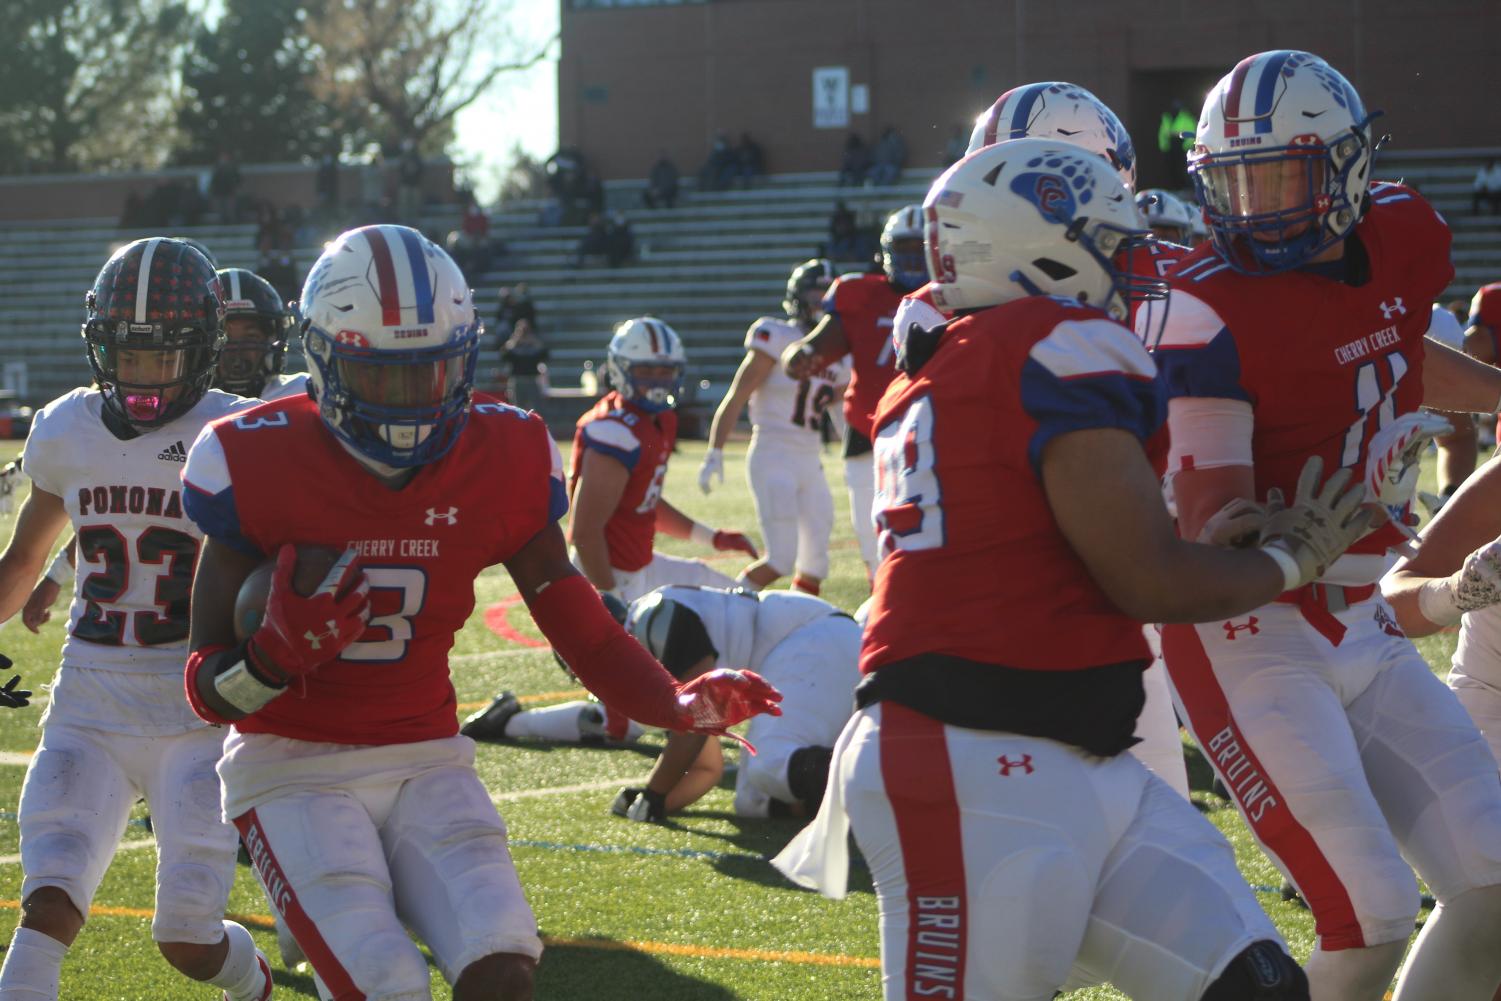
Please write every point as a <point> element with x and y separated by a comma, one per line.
<point>709,266</point>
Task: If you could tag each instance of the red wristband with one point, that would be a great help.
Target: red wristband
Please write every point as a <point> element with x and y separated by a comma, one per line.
<point>603,655</point>
<point>196,661</point>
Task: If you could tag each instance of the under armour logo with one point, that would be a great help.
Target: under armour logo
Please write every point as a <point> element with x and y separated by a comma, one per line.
<point>315,640</point>
<point>1231,628</point>
<point>449,517</point>
<point>1025,764</point>
<point>1396,307</point>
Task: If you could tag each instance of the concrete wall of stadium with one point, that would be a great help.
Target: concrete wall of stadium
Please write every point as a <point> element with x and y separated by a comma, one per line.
<point>636,76</point>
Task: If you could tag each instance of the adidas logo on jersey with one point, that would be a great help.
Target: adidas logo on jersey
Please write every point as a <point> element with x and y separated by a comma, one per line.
<point>174,452</point>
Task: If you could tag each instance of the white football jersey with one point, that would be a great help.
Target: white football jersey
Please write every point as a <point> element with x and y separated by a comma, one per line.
<point>745,626</point>
<point>283,385</point>
<point>136,548</point>
<point>790,408</point>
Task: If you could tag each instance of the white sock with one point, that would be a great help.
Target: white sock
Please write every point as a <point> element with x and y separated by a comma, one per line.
<point>241,975</point>
<point>33,966</point>
<point>1454,956</point>
<point>1353,974</point>
<point>560,722</point>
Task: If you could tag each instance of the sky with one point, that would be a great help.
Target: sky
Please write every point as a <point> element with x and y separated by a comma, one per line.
<point>521,107</point>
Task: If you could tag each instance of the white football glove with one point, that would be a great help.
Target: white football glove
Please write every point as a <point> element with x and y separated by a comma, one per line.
<point>1391,468</point>
<point>1320,524</point>
<point>1236,525</point>
<point>10,478</point>
<point>1475,585</point>
<point>713,466</point>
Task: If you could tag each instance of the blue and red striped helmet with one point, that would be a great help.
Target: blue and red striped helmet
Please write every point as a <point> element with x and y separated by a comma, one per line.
<point>392,337</point>
<point>1062,112</point>
<point>1282,160</point>
<point>645,362</point>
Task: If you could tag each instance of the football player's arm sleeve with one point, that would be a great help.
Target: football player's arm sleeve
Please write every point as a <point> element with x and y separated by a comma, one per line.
<point>219,680</point>
<point>601,653</point>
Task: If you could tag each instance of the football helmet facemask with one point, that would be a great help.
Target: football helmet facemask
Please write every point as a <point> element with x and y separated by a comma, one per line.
<point>154,328</point>
<point>902,249</point>
<point>1282,161</point>
<point>1063,112</point>
<point>645,362</point>
<point>817,274</point>
<point>1034,217</point>
<point>392,337</point>
<point>257,325</point>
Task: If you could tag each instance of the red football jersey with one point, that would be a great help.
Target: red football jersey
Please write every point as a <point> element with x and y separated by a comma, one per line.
<point>275,475</point>
<point>642,442</point>
<point>973,564</point>
<point>1323,364</point>
<point>865,305</point>
<point>1485,308</point>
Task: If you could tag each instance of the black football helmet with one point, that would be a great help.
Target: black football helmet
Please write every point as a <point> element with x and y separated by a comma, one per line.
<point>817,273</point>
<point>247,362</point>
<point>154,328</point>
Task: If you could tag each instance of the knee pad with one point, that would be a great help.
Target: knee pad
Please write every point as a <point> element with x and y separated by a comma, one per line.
<point>808,773</point>
<point>1263,971</point>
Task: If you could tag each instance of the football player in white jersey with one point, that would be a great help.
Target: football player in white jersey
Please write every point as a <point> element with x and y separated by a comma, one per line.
<point>257,326</point>
<point>118,727</point>
<point>784,465</point>
<point>812,649</point>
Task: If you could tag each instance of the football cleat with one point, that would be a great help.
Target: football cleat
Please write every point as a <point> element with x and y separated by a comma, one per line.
<point>490,722</point>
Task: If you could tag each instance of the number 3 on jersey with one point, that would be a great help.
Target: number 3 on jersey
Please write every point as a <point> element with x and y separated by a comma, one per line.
<point>908,511</point>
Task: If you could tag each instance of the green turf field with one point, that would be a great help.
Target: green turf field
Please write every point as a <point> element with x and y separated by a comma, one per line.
<point>686,912</point>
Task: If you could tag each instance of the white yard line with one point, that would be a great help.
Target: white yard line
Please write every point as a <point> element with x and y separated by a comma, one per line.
<point>19,758</point>
<point>565,790</point>
<point>469,658</point>
<point>125,846</point>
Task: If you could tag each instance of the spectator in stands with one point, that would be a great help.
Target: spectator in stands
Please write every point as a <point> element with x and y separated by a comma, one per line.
<point>409,171</point>
<point>661,184</point>
<point>277,267</point>
<point>750,161</point>
<point>843,233</point>
<point>268,231</point>
<point>514,306</point>
<point>224,188</point>
<point>855,163</point>
<point>563,169</point>
<point>888,157</point>
<point>469,245</point>
<point>133,212</point>
<point>1487,187</point>
<point>620,242</point>
<point>524,357</point>
<point>720,168</point>
<point>595,242</point>
<point>591,194</point>
<point>958,144</point>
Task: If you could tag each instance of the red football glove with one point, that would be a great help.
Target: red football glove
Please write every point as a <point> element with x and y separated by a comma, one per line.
<point>713,702</point>
<point>734,541</point>
<point>299,634</point>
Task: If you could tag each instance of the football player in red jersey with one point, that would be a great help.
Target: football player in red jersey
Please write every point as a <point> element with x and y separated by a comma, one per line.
<point>1297,333</point>
<point>619,462</point>
<point>1066,112</point>
<point>1484,326</point>
<point>345,774</point>
<point>1024,540</point>
<point>857,318</point>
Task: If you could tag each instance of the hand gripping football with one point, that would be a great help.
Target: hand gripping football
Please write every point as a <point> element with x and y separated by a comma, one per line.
<point>313,564</point>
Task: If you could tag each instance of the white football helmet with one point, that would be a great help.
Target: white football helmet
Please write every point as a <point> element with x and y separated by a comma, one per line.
<point>1064,112</point>
<point>1282,160</point>
<point>1033,217</point>
<point>641,343</point>
<point>1167,215</point>
<point>904,265</point>
<point>392,337</point>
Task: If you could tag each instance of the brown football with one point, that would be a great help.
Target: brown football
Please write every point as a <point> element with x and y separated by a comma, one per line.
<point>313,563</point>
